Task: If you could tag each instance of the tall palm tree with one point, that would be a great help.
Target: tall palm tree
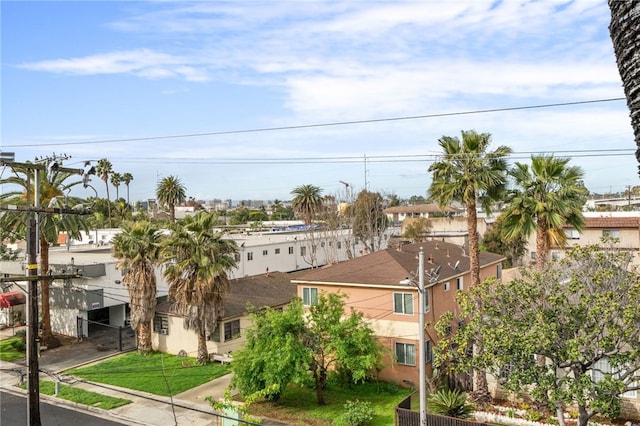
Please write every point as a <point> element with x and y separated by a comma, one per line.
<point>171,191</point>
<point>549,195</point>
<point>625,35</point>
<point>307,201</point>
<point>469,173</point>
<point>52,186</point>
<point>103,170</point>
<point>197,260</point>
<point>126,179</point>
<point>137,249</point>
<point>116,179</point>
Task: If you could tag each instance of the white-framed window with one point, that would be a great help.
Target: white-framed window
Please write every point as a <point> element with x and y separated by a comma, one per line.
<point>249,255</point>
<point>447,286</point>
<point>406,353</point>
<point>303,251</point>
<point>603,367</point>
<point>339,244</point>
<point>215,335</point>
<point>277,251</point>
<point>533,255</point>
<point>460,283</point>
<point>231,330</point>
<point>426,300</point>
<point>572,234</point>
<point>499,271</point>
<point>161,324</point>
<point>555,255</point>
<point>291,250</point>
<point>428,351</point>
<point>265,252</point>
<point>309,296</point>
<point>403,303</point>
<point>236,257</point>
<point>611,233</point>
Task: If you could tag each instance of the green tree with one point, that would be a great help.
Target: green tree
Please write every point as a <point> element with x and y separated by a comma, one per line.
<point>548,196</point>
<point>580,314</point>
<point>494,241</point>
<point>286,346</point>
<point>52,187</point>
<point>417,230</point>
<point>171,191</point>
<point>126,179</point>
<point>104,168</point>
<point>468,173</point>
<point>369,220</point>
<point>137,249</point>
<point>116,180</point>
<point>239,216</point>
<point>307,201</point>
<point>196,262</point>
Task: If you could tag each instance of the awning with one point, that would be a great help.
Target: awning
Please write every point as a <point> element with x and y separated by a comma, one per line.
<point>12,298</point>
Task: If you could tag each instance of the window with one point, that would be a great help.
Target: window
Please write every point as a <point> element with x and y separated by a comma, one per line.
<point>403,303</point>
<point>236,257</point>
<point>309,296</point>
<point>290,250</point>
<point>250,255</point>
<point>322,244</point>
<point>447,286</point>
<point>161,324</point>
<point>499,271</point>
<point>459,283</point>
<point>611,233</point>
<point>603,367</point>
<point>533,255</point>
<point>428,352</point>
<point>265,252</point>
<point>303,251</point>
<point>277,251</point>
<point>555,255</point>
<point>406,353</point>
<point>339,244</point>
<point>572,234</point>
<point>231,330</point>
<point>426,300</point>
<point>215,336</point>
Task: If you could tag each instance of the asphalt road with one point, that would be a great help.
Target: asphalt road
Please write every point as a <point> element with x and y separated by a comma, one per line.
<point>13,412</point>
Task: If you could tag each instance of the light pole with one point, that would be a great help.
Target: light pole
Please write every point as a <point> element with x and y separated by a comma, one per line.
<point>421,348</point>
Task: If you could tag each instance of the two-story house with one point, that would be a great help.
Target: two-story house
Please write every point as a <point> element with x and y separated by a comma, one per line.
<point>374,285</point>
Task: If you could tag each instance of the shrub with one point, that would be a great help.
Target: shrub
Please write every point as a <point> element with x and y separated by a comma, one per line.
<point>22,334</point>
<point>358,413</point>
<point>19,345</point>
<point>450,403</point>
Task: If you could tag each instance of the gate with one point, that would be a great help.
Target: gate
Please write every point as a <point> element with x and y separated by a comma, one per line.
<point>105,336</point>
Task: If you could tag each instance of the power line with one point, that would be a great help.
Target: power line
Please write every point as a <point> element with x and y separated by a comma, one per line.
<point>317,125</point>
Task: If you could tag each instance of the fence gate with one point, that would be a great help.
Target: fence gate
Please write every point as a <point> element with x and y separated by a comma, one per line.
<point>105,336</point>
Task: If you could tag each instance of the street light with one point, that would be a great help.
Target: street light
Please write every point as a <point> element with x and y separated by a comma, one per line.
<point>421,348</point>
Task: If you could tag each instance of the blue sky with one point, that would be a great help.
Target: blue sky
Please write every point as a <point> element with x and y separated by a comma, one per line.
<point>119,79</point>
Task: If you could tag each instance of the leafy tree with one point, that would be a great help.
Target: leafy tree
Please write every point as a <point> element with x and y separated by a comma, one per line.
<point>258,216</point>
<point>104,168</point>
<point>196,262</point>
<point>625,34</point>
<point>416,200</point>
<point>240,216</point>
<point>137,249</point>
<point>287,346</point>
<point>126,179</point>
<point>307,201</point>
<point>116,179</point>
<point>280,212</point>
<point>416,230</point>
<point>468,172</point>
<point>494,241</point>
<point>52,187</point>
<point>579,313</point>
<point>548,195</point>
<point>369,219</point>
<point>171,191</point>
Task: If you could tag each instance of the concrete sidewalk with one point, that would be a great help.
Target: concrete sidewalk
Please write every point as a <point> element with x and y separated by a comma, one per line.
<point>187,408</point>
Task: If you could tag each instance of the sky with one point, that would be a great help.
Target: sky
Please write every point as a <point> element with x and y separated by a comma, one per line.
<point>250,99</point>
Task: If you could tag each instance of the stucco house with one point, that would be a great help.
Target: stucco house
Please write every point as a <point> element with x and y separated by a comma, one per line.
<point>273,289</point>
<point>372,285</point>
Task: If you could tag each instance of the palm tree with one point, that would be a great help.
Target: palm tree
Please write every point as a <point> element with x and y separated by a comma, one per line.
<point>103,170</point>
<point>550,194</point>
<point>468,173</point>
<point>51,189</point>
<point>126,179</point>
<point>116,179</point>
<point>197,260</point>
<point>137,249</point>
<point>625,33</point>
<point>171,191</point>
<point>307,201</point>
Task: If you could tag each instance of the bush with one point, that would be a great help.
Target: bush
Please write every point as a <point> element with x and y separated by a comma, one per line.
<point>450,403</point>
<point>358,413</point>
<point>19,345</point>
<point>22,334</point>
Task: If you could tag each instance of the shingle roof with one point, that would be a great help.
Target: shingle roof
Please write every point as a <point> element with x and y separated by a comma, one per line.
<point>272,289</point>
<point>390,266</point>
<point>421,208</point>
<point>612,222</point>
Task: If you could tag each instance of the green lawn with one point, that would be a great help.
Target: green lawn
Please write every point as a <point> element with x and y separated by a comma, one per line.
<point>82,396</point>
<point>157,373</point>
<point>299,405</point>
<point>8,350</point>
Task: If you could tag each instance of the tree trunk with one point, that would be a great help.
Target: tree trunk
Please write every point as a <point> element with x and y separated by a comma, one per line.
<point>583,416</point>
<point>108,204</point>
<point>172,213</point>
<point>625,35</point>
<point>541,243</point>
<point>320,376</point>
<point>203,354</point>
<point>143,334</point>
<point>47,338</point>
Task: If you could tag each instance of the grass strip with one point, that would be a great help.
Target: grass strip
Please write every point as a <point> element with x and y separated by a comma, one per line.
<point>81,396</point>
<point>156,373</point>
<point>10,349</point>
